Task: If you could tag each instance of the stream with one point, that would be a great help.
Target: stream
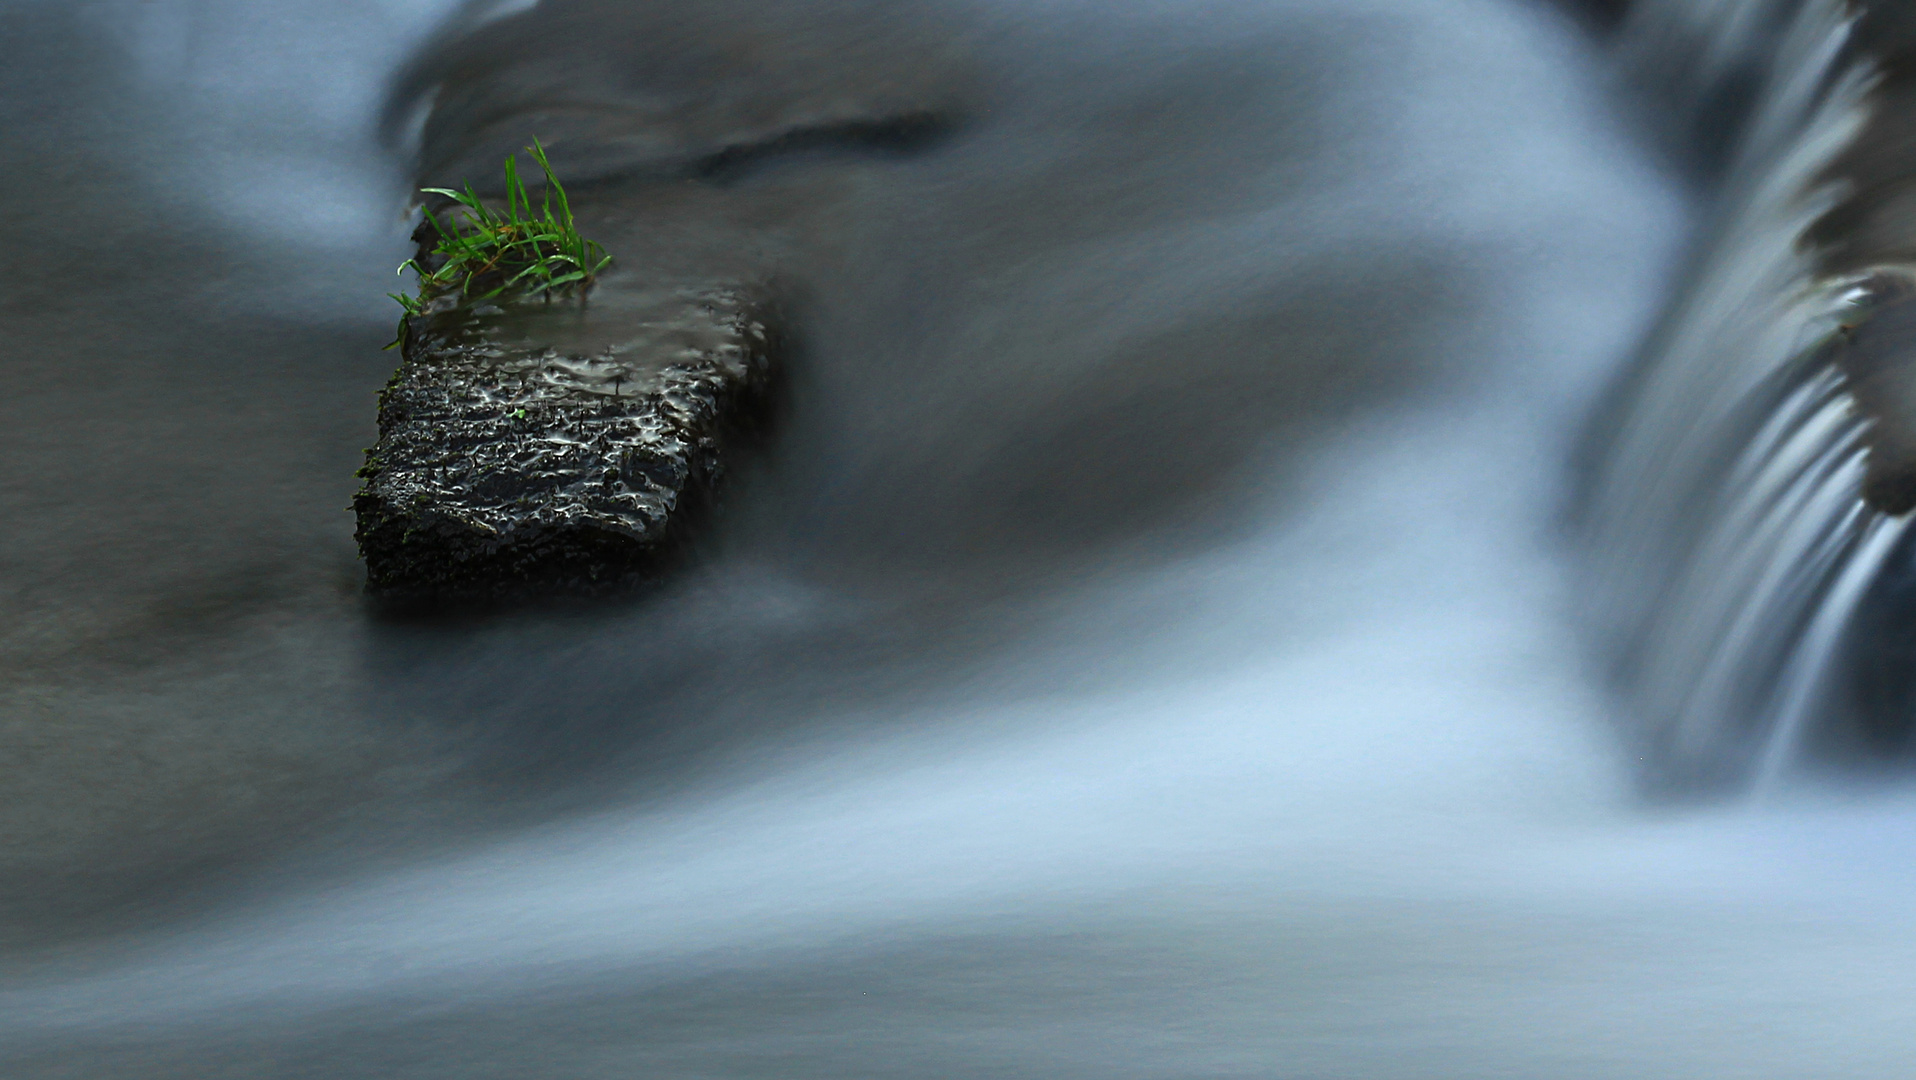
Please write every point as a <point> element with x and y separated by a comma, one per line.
<point>1227,594</point>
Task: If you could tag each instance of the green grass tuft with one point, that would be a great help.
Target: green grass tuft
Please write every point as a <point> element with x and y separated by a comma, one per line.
<point>484,254</point>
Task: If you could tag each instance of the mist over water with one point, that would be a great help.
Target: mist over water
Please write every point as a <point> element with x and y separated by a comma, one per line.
<point>1149,646</point>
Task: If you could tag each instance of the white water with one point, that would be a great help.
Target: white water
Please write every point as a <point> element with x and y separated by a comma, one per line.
<point>1332,792</point>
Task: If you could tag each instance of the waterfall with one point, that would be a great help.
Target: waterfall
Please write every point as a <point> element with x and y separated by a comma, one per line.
<point>1730,542</point>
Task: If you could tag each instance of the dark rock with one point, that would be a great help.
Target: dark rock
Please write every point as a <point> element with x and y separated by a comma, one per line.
<point>1871,220</point>
<point>1878,693</point>
<point>546,448</point>
<point>1877,354</point>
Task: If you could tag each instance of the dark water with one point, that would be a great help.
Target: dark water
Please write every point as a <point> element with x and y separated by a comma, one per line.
<point>1146,648</point>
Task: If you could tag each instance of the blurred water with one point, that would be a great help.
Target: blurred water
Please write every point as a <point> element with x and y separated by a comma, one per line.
<point>1728,502</point>
<point>1147,650</point>
<point>1736,567</point>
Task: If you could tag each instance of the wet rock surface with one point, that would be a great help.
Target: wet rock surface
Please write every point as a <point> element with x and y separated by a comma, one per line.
<point>1869,232</point>
<point>542,449</point>
<point>1877,355</point>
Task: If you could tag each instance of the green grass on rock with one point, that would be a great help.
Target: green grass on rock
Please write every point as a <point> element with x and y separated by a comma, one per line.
<point>486,254</point>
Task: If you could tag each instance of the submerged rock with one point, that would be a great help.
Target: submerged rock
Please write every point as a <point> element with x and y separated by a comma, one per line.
<point>535,450</point>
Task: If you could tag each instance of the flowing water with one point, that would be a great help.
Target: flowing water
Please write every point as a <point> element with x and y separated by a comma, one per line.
<point>1151,645</point>
<point>1727,512</point>
<point>1745,585</point>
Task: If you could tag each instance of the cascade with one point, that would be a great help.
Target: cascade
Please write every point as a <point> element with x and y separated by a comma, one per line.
<point>1731,545</point>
